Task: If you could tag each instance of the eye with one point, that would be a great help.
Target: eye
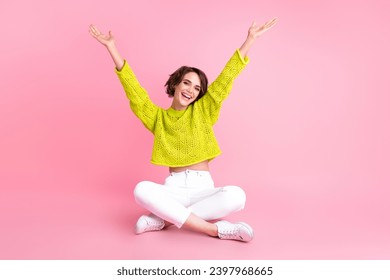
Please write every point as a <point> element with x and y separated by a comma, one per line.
<point>186,83</point>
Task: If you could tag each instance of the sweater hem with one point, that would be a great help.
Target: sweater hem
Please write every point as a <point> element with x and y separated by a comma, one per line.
<point>185,164</point>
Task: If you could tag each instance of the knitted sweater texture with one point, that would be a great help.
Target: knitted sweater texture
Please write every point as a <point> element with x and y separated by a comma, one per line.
<point>186,137</point>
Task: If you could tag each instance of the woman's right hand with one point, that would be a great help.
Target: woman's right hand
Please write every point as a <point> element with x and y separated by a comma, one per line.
<point>109,42</point>
<point>106,40</point>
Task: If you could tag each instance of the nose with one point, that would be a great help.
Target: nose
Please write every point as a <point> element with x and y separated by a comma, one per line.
<point>190,90</point>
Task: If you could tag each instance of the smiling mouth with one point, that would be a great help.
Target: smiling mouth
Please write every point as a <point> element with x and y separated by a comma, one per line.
<point>186,96</point>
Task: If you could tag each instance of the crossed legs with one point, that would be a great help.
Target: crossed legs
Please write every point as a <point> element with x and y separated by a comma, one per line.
<point>187,209</point>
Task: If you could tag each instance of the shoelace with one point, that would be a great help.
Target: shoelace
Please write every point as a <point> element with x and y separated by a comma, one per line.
<point>153,223</point>
<point>232,233</point>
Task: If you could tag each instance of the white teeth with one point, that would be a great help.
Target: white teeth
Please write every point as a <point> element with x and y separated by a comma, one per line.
<point>186,96</point>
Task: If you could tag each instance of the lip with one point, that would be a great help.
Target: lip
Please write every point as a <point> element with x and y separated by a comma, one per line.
<point>186,96</point>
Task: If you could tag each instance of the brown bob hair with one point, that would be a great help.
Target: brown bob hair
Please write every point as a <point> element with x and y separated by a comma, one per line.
<point>176,77</point>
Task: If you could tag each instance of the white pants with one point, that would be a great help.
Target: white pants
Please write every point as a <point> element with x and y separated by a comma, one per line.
<point>189,192</point>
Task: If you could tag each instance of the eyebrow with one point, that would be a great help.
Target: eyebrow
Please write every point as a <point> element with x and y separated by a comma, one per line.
<point>191,83</point>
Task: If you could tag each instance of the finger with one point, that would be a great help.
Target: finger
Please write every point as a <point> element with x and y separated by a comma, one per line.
<point>253,24</point>
<point>272,22</point>
<point>92,31</point>
<point>95,30</point>
<point>92,27</point>
<point>268,25</point>
<point>92,34</point>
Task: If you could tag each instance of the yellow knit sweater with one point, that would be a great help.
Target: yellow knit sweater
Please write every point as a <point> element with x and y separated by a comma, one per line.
<point>186,137</point>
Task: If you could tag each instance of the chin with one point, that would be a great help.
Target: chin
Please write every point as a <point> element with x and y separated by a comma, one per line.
<point>186,102</point>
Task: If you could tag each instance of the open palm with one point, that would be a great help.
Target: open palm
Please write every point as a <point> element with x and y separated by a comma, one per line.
<point>102,38</point>
<point>255,30</point>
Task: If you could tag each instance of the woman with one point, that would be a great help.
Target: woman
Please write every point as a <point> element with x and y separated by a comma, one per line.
<point>185,142</point>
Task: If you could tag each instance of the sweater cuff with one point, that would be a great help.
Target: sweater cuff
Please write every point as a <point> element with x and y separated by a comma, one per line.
<point>123,66</point>
<point>244,60</point>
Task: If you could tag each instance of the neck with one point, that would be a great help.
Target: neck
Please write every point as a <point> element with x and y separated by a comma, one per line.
<point>178,107</point>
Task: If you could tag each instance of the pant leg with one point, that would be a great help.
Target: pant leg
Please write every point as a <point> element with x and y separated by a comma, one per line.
<point>167,202</point>
<point>218,202</point>
<point>189,192</point>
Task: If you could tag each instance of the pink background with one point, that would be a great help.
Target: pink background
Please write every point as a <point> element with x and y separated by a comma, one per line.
<point>305,131</point>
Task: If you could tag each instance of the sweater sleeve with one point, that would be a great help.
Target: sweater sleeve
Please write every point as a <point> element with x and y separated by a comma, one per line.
<point>219,90</point>
<point>140,102</point>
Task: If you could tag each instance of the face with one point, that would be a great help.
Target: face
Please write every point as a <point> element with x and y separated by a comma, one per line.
<point>186,91</point>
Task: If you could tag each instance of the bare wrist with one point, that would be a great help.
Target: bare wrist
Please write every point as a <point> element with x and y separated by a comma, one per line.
<point>250,38</point>
<point>111,46</point>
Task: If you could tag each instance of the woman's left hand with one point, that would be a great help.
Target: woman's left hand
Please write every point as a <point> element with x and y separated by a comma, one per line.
<point>256,30</point>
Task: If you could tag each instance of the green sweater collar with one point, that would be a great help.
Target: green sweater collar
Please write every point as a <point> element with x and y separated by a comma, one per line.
<point>175,113</point>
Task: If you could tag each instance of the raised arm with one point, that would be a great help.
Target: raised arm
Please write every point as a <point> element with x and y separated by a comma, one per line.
<point>140,102</point>
<point>254,32</point>
<point>217,92</point>
<point>109,42</point>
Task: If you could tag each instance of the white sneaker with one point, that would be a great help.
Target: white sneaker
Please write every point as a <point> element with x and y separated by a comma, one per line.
<point>149,223</point>
<point>239,231</point>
